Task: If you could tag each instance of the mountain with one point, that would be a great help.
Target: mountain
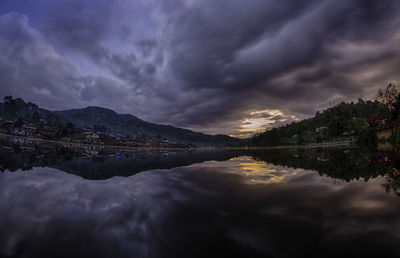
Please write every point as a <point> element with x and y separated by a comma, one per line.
<point>107,121</point>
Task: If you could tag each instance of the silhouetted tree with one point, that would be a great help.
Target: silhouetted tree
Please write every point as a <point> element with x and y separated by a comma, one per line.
<point>19,122</point>
<point>388,96</point>
<point>35,117</point>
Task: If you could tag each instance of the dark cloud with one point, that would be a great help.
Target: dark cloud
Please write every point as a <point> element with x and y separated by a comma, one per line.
<point>125,32</point>
<point>85,29</point>
<point>147,46</point>
<point>208,64</point>
<point>79,26</point>
<point>31,68</point>
<point>262,52</point>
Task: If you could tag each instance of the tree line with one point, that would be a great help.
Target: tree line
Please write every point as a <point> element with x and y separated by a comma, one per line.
<point>341,121</point>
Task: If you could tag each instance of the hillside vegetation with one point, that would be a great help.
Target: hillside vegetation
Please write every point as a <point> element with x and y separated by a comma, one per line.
<point>107,121</point>
<point>342,120</point>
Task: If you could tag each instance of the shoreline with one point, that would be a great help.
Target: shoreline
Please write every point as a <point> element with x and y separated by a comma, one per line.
<point>72,144</point>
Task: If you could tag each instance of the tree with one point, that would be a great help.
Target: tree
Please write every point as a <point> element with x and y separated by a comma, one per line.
<point>388,96</point>
<point>301,140</point>
<point>8,99</point>
<point>19,122</point>
<point>35,117</point>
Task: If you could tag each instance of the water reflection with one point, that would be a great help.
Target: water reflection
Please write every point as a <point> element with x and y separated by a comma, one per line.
<point>255,171</point>
<point>286,203</point>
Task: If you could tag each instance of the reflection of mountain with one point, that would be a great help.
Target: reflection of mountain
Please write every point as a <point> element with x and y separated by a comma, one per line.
<point>107,166</point>
<point>345,164</point>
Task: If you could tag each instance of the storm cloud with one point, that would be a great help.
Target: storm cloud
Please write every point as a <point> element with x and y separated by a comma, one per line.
<point>204,65</point>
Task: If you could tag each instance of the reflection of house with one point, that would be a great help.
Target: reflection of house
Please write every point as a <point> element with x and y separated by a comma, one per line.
<point>384,135</point>
<point>91,152</point>
<point>320,129</point>
<point>46,147</point>
<point>383,127</point>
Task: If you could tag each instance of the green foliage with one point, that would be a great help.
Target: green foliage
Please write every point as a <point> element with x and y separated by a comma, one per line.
<point>107,121</point>
<point>35,117</point>
<point>345,164</point>
<point>344,118</point>
<point>19,123</point>
<point>388,96</point>
<point>30,112</point>
<point>367,138</point>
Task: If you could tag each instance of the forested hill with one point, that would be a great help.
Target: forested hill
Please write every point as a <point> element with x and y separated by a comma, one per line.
<point>108,122</point>
<point>343,120</point>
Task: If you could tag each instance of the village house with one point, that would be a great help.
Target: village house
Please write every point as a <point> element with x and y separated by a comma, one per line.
<point>383,126</point>
<point>120,136</point>
<point>109,139</point>
<point>47,132</point>
<point>90,137</point>
<point>320,129</point>
<point>27,131</point>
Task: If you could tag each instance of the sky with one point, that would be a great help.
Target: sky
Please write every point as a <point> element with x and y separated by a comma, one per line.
<point>228,66</point>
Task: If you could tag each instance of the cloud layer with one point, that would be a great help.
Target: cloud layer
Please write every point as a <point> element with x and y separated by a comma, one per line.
<point>198,64</point>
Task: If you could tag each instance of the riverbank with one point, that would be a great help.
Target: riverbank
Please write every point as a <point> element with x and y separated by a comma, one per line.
<point>22,139</point>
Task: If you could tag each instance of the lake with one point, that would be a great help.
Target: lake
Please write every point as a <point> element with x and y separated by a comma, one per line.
<point>216,203</point>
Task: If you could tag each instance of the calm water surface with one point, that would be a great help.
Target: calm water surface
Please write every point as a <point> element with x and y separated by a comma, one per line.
<point>294,203</point>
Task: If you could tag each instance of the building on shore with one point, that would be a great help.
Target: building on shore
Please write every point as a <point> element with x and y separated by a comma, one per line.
<point>26,131</point>
<point>90,137</point>
<point>47,132</point>
<point>320,129</point>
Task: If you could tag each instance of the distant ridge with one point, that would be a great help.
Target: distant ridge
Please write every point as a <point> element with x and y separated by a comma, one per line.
<point>105,120</point>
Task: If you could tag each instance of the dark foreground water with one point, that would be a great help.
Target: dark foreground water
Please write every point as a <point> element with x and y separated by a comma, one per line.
<point>286,203</point>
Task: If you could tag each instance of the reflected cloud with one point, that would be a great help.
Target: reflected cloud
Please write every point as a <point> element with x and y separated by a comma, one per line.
<point>240,206</point>
<point>260,172</point>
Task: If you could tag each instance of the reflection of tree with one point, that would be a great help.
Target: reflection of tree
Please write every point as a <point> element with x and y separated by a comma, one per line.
<point>109,165</point>
<point>15,160</point>
<point>344,164</point>
<point>392,176</point>
<point>341,164</point>
<point>392,183</point>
